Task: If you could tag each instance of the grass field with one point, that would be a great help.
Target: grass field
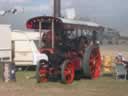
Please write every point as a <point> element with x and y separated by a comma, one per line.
<point>104,86</point>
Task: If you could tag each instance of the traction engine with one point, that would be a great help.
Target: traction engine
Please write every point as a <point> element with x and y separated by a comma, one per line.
<point>70,51</point>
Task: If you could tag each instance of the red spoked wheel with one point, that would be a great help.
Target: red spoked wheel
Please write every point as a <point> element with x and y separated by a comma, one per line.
<point>95,63</point>
<point>67,72</point>
<point>42,72</point>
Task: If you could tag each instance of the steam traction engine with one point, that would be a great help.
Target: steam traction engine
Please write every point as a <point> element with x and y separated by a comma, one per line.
<point>68,49</point>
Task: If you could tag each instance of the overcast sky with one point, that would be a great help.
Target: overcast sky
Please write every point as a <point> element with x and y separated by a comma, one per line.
<point>112,13</point>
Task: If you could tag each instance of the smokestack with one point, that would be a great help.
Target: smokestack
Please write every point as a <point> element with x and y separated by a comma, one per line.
<point>57,8</point>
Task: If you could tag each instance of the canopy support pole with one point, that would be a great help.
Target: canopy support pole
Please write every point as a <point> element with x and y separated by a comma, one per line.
<point>53,37</point>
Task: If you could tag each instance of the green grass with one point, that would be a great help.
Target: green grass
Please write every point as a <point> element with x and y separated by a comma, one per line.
<point>104,86</point>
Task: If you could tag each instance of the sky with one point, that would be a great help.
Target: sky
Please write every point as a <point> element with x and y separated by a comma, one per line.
<point>110,13</point>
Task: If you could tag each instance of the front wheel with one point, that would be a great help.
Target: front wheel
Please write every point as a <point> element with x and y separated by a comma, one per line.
<point>67,72</point>
<point>42,72</point>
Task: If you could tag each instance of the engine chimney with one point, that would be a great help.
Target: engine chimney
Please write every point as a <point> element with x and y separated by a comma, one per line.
<point>57,8</point>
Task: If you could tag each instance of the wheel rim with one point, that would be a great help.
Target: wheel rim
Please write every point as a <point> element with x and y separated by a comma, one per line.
<point>95,63</point>
<point>43,74</point>
<point>69,73</point>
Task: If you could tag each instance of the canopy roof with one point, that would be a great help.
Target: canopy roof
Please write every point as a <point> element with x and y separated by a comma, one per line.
<point>71,21</point>
<point>33,23</point>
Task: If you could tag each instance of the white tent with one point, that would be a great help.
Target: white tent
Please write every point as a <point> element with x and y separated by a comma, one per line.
<point>25,46</point>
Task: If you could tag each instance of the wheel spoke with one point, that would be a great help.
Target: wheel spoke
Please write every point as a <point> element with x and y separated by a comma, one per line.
<point>66,72</point>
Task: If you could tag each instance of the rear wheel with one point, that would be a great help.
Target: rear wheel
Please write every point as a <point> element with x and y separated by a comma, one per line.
<point>92,62</point>
<point>67,72</point>
<point>95,63</point>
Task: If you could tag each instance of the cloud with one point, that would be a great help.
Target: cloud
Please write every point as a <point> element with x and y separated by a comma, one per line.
<point>37,8</point>
<point>6,4</point>
<point>41,9</point>
<point>67,4</point>
<point>15,1</point>
<point>112,13</point>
